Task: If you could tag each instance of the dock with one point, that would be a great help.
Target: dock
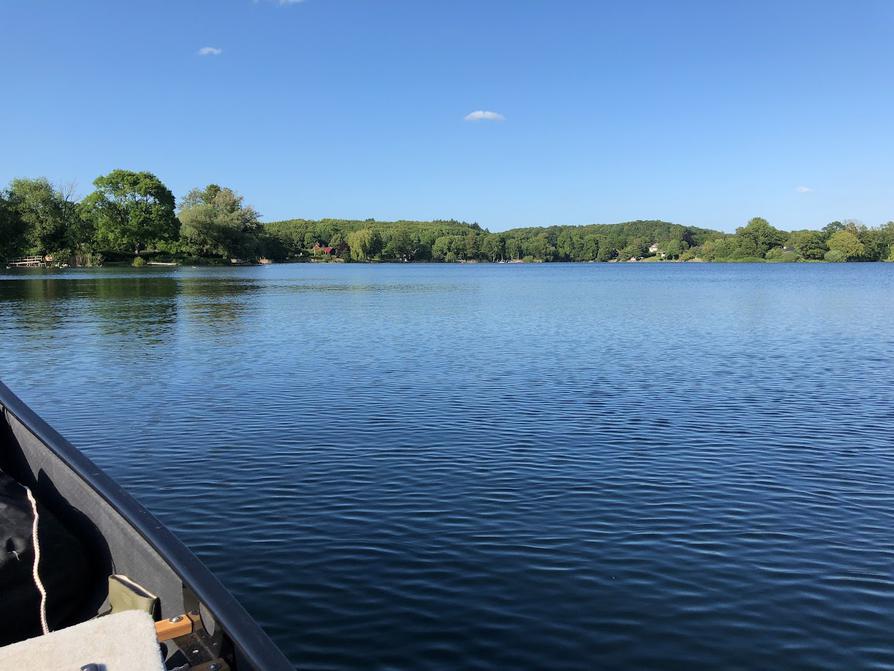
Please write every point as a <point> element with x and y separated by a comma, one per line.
<point>27,262</point>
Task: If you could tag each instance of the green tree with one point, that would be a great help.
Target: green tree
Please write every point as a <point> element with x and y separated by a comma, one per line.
<point>565,245</point>
<point>401,245</point>
<point>214,222</point>
<point>514,248</point>
<point>758,237</point>
<point>337,242</point>
<point>635,248</point>
<point>48,214</point>
<point>364,244</point>
<point>470,248</point>
<point>442,247</point>
<point>131,211</point>
<point>726,248</point>
<point>831,228</point>
<point>886,232</point>
<point>844,245</point>
<point>12,230</point>
<point>874,241</point>
<point>492,247</point>
<point>809,244</point>
<point>605,251</point>
<point>672,248</point>
<point>778,254</point>
<point>590,248</point>
<point>540,247</point>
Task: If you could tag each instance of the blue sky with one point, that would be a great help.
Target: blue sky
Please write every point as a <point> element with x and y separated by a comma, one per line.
<point>703,113</point>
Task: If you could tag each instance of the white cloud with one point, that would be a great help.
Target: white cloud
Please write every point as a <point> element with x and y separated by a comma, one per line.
<point>484,115</point>
<point>803,189</point>
<point>210,51</point>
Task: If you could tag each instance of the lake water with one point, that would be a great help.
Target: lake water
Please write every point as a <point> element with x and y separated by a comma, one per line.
<point>655,466</point>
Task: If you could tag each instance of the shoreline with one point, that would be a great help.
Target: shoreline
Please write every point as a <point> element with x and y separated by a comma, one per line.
<point>217,263</point>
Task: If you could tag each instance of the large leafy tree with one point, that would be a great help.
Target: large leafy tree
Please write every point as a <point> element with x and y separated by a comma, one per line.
<point>875,247</point>
<point>887,233</point>
<point>131,211</point>
<point>809,244</point>
<point>364,244</point>
<point>832,227</point>
<point>400,244</point>
<point>492,247</point>
<point>12,230</point>
<point>48,214</point>
<point>758,237</point>
<point>214,222</point>
<point>673,248</point>
<point>843,246</point>
<point>441,247</point>
<point>540,248</point>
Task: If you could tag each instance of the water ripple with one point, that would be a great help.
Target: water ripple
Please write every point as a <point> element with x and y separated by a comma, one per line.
<point>443,467</point>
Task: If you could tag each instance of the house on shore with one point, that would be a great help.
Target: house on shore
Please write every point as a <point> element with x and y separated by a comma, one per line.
<point>653,249</point>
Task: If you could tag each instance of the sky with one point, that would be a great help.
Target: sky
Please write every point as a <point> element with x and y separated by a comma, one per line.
<point>503,112</point>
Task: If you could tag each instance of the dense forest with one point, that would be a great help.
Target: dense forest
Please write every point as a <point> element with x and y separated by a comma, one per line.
<point>133,217</point>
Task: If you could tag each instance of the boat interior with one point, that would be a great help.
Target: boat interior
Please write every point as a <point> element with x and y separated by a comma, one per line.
<point>112,589</point>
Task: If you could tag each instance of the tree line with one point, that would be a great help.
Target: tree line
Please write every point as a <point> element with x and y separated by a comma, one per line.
<point>835,242</point>
<point>133,216</point>
<point>452,241</point>
<point>129,216</point>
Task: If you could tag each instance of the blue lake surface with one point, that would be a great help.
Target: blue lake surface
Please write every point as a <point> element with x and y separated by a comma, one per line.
<point>600,466</point>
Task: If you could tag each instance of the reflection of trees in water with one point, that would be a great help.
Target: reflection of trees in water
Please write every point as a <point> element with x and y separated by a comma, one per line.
<point>142,308</point>
<point>216,303</point>
<point>36,305</point>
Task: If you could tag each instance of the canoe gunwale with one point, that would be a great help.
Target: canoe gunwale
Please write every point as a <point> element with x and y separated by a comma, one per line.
<point>253,646</point>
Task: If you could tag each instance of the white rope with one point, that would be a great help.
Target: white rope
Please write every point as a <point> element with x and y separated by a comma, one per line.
<point>37,582</point>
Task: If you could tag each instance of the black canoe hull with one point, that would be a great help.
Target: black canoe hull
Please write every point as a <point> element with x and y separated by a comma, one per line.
<point>125,537</point>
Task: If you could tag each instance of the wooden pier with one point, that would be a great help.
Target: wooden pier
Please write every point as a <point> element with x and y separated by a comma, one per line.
<point>27,262</point>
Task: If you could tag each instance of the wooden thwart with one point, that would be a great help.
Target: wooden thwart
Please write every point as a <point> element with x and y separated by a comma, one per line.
<point>173,627</point>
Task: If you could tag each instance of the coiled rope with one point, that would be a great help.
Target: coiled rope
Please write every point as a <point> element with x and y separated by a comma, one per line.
<point>34,572</point>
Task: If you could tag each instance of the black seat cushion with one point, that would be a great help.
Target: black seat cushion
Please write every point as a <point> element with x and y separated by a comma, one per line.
<point>64,569</point>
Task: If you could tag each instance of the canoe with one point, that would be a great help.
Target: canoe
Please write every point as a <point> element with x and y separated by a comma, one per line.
<point>140,574</point>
